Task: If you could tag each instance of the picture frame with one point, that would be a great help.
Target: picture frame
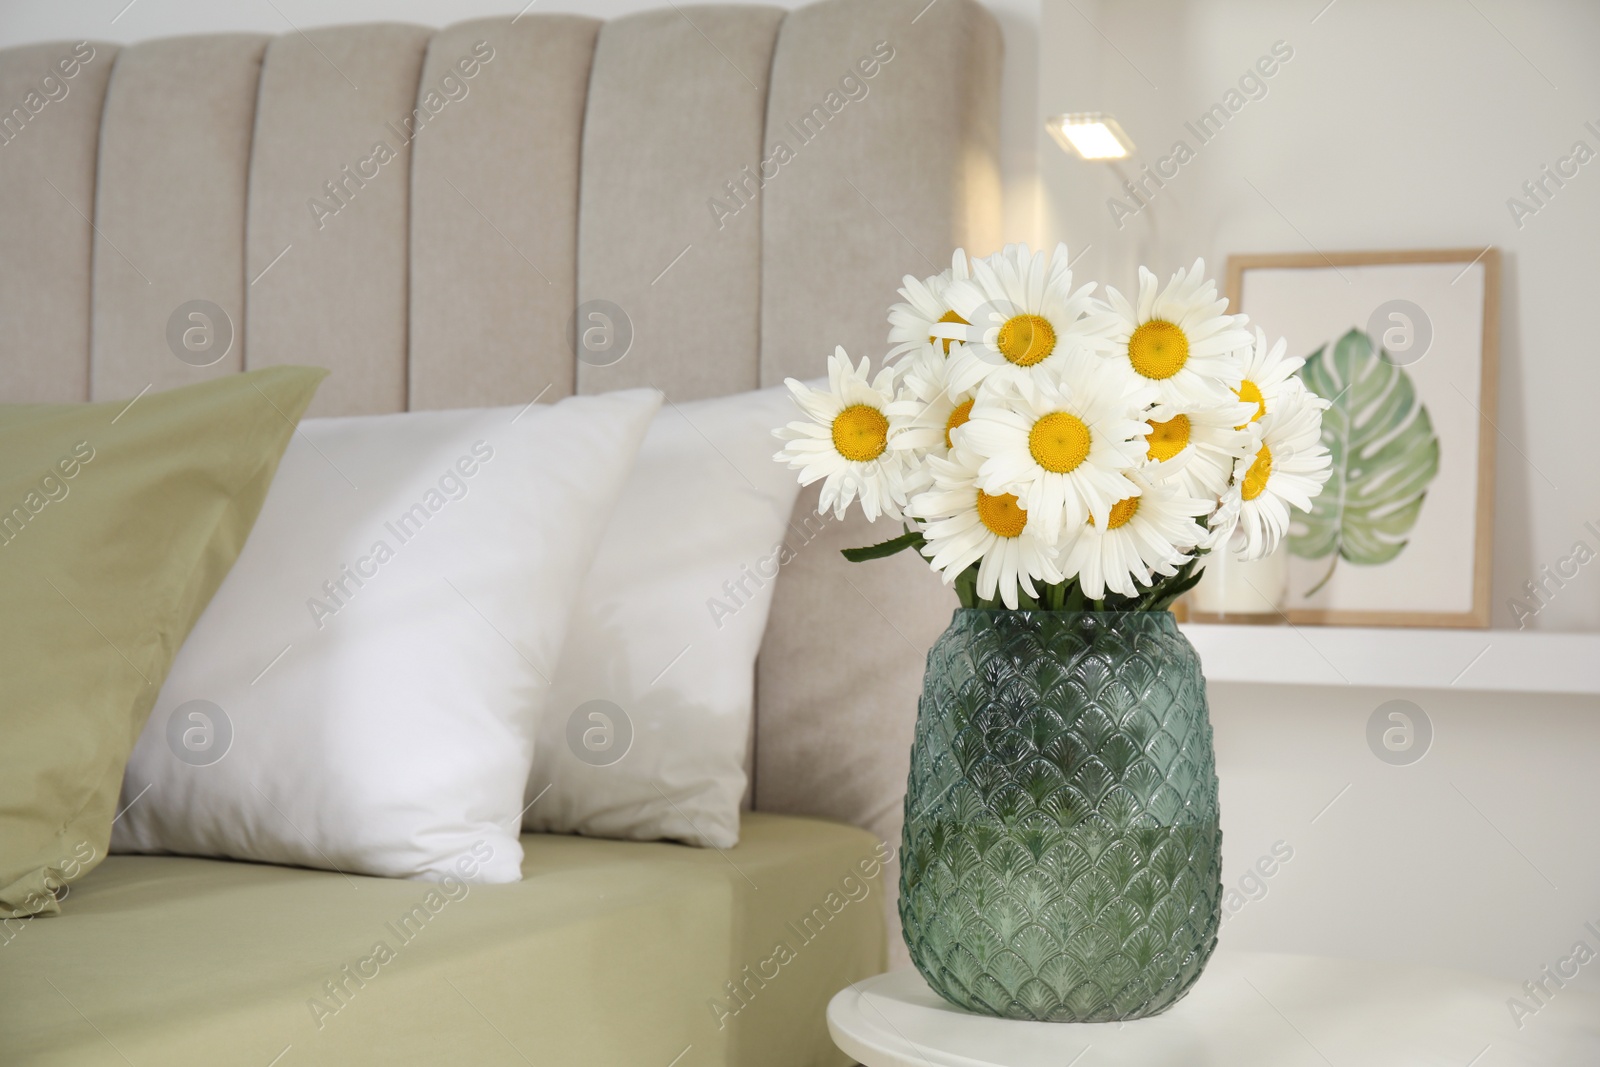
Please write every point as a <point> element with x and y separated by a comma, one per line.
<point>1439,310</point>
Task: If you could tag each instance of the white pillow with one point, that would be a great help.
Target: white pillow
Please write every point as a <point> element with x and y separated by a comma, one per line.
<point>646,730</point>
<point>380,652</point>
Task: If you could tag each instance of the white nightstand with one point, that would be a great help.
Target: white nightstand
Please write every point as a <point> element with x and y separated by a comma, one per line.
<point>1247,1010</point>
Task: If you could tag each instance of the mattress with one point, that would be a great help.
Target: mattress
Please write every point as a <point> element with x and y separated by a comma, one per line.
<point>607,953</point>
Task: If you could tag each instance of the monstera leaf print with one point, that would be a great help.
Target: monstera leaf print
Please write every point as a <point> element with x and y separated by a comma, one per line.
<point>1385,455</point>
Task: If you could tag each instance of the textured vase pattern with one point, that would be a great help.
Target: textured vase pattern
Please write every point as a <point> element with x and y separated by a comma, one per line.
<point>1061,858</point>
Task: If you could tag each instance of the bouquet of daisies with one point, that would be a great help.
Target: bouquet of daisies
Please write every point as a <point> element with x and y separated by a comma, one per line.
<point>1049,449</point>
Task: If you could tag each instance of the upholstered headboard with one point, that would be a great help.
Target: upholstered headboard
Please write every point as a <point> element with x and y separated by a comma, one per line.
<point>423,210</point>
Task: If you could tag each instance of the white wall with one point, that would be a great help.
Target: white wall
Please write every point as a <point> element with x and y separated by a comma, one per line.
<point>1481,856</point>
<point>1394,125</point>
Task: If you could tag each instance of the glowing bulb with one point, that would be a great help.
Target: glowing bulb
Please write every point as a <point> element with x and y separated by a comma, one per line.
<point>1090,135</point>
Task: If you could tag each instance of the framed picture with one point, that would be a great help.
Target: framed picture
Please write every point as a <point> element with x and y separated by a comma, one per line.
<point>1405,346</point>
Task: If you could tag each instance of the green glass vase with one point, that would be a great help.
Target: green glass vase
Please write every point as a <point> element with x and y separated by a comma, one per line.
<point>1061,859</point>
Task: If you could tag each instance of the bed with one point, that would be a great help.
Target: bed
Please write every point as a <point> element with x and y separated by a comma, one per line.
<point>607,952</point>
<point>636,163</point>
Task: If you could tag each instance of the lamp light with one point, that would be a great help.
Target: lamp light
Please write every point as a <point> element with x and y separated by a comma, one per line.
<point>1090,135</point>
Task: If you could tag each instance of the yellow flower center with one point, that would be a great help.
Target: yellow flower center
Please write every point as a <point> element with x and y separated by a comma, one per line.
<point>1001,514</point>
<point>1026,339</point>
<point>959,416</point>
<point>1169,438</point>
<point>1059,442</point>
<point>1255,479</point>
<point>1250,393</point>
<point>1121,512</point>
<point>1158,349</point>
<point>948,316</point>
<point>860,433</point>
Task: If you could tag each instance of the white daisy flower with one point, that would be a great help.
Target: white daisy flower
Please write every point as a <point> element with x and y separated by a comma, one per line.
<point>1023,318</point>
<point>1179,338</point>
<point>1064,449</point>
<point>911,324</point>
<point>1148,533</point>
<point>963,524</point>
<point>1223,519</point>
<point>1289,468</point>
<point>1265,373</point>
<point>1199,445</point>
<point>926,411</point>
<point>846,441</point>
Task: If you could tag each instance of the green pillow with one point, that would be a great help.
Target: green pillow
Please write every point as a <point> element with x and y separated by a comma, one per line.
<point>117,523</point>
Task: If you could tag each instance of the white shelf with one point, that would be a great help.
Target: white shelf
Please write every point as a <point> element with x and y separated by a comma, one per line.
<point>1511,661</point>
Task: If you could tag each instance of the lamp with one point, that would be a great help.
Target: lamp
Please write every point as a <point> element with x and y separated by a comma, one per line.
<point>1090,135</point>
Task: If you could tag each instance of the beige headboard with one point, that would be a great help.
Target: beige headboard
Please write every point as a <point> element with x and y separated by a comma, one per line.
<point>559,160</point>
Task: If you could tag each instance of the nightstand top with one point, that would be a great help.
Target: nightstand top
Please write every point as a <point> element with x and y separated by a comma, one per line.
<point>1248,1010</point>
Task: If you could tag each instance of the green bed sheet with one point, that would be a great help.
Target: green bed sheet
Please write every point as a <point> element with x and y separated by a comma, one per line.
<point>607,953</point>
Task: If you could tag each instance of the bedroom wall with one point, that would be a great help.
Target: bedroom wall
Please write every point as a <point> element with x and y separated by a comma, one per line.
<point>1393,126</point>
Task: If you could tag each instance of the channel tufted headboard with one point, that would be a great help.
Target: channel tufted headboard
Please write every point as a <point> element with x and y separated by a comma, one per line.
<point>422,211</point>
